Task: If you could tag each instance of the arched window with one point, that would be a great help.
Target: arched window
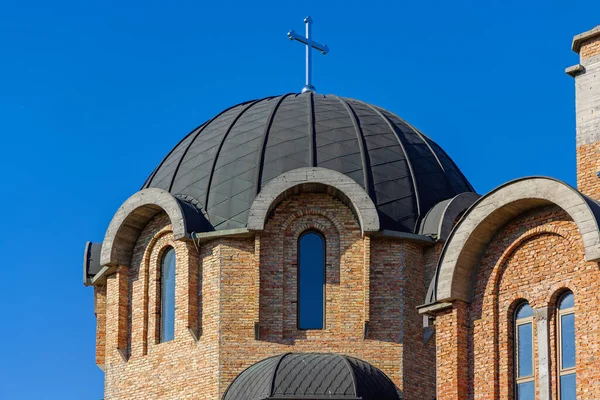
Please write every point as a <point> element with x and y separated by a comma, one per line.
<point>524,371</point>
<point>311,281</point>
<point>566,346</point>
<point>167,296</point>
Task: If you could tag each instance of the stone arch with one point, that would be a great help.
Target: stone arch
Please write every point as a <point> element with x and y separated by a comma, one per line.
<point>469,239</point>
<point>135,213</point>
<point>309,179</point>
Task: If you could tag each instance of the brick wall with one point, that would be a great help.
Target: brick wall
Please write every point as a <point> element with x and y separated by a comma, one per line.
<point>587,85</point>
<point>590,48</point>
<point>535,257</point>
<point>183,368</point>
<point>233,283</point>
<point>100,311</point>
<point>452,353</point>
<point>353,262</point>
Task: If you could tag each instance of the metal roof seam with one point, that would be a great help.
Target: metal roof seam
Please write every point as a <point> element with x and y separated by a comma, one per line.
<point>149,180</point>
<point>412,172</point>
<point>265,136</point>
<point>311,131</point>
<point>352,375</point>
<point>272,390</point>
<point>200,130</point>
<point>364,156</point>
<point>214,163</point>
<point>418,133</point>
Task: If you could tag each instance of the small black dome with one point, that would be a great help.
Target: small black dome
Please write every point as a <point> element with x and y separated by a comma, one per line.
<point>312,376</point>
<point>222,165</point>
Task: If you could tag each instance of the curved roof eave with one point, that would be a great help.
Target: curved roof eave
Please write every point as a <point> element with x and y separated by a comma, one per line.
<point>470,237</point>
<point>129,220</point>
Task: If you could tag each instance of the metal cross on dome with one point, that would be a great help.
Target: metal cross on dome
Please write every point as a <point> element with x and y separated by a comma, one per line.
<point>310,44</point>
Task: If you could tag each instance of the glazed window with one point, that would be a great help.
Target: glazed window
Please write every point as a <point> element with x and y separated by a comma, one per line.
<point>524,369</point>
<point>167,296</point>
<point>566,346</point>
<point>311,280</point>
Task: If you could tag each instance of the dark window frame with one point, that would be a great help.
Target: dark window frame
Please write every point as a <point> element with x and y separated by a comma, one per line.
<point>517,322</point>
<point>560,312</point>
<point>161,303</point>
<point>298,302</point>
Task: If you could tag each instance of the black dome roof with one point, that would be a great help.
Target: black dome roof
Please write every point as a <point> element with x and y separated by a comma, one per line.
<point>222,165</point>
<point>312,376</point>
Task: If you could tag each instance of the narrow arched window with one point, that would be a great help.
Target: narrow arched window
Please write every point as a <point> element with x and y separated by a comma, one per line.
<point>311,281</point>
<point>566,346</point>
<point>167,296</point>
<point>524,371</point>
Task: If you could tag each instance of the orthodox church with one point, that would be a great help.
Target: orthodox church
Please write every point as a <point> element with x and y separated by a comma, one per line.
<point>308,246</point>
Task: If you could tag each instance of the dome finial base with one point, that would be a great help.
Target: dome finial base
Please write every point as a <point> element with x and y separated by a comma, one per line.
<point>309,88</point>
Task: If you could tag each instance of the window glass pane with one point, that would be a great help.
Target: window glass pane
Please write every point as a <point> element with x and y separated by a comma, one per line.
<point>567,387</point>
<point>567,301</point>
<point>167,297</point>
<point>524,340</point>
<point>526,391</point>
<point>311,275</point>
<point>524,311</point>
<point>567,327</point>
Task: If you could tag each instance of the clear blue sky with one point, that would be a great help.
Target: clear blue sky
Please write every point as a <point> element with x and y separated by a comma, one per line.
<point>94,93</point>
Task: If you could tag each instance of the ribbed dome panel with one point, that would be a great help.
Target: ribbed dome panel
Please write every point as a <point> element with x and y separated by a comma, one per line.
<point>225,162</point>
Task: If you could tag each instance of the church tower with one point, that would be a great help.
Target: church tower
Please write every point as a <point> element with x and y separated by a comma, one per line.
<point>308,246</point>
<point>279,251</point>
<point>587,84</point>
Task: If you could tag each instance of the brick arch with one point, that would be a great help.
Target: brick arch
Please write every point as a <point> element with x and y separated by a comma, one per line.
<point>494,313</point>
<point>558,290</point>
<point>312,211</point>
<point>470,238</point>
<point>163,240</point>
<point>158,243</point>
<point>153,241</point>
<point>309,179</point>
<point>501,264</point>
<point>135,213</point>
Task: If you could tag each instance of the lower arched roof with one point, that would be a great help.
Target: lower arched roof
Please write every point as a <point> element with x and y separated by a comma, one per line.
<point>315,376</point>
<point>470,238</point>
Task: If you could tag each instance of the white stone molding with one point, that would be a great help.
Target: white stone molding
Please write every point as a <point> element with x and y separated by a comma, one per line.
<point>127,223</point>
<point>489,214</point>
<point>339,185</point>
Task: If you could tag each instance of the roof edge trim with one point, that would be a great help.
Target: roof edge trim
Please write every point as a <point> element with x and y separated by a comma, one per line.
<point>471,236</point>
<point>582,37</point>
